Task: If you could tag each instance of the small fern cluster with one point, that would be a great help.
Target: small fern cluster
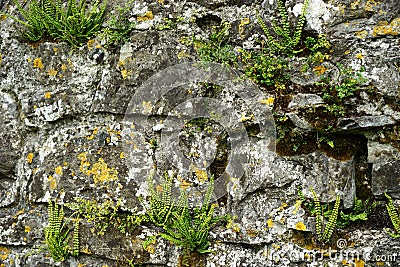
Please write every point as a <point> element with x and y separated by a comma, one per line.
<point>57,234</point>
<point>324,233</point>
<point>287,42</point>
<point>74,23</point>
<point>394,217</point>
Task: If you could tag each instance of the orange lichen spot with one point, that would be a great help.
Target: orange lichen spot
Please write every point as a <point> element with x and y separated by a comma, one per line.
<point>81,264</point>
<point>359,263</point>
<point>63,67</point>
<point>319,70</point>
<point>122,155</point>
<point>121,63</point>
<point>102,173</point>
<point>300,226</point>
<point>65,163</point>
<point>380,263</point>
<point>385,28</point>
<point>1,58</point>
<point>359,56</point>
<point>52,182</point>
<point>362,34</point>
<point>37,63</point>
<point>270,223</point>
<point>55,50</point>
<point>18,213</point>
<point>47,95</point>
<point>29,158</point>
<point>27,229</point>
<point>52,72</point>
<point>269,101</point>
<point>161,2</point>
<point>58,170</point>
<point>148,16</point>
<point>4,252</point>
<point>98,46</point>
<point>347,52</point>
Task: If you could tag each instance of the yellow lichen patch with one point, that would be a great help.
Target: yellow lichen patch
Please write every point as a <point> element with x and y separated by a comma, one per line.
<point>101,173</point>
<point>297,206</point>
<point>275,246</point>
<point>18,213</point>
<point>359,56</point>
<point>362,34</point>
<point>183,54</point>
<point>384,28</point>
<point>84,163</point>
<point>359,263</point>
<point>1,58</point>
<point>47,95</point>
<point>380,263</point>
<point>161,2</point>
<point>37,63</point>
<point>319,70</point>
<point>64,67</point>
<point>147,107</point>
<point>125,73</point>
<point>201,175</point>
<point>27,229</point>
<point>184,184</point>
<point>300,226</point>
<point>148,16</point>
<point>65,163</point>
<point>243,22</point>
<point>52,72</point>
<point>245,118</point>
<point>270,223</point>
<point>122,155</point>
<point>29,158</point>
<point>347,52</point>
<point>90,43</point>
<point>252,232</point>
<point>55,50</point>
<point>4,252</point>
<point>58,170</point>
<point>81,264</point>
<point>370,4</point>
<point>269,101</point>
<point>52,182</point>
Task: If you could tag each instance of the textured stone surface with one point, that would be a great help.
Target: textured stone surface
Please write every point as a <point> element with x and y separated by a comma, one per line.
<point>62,127</point>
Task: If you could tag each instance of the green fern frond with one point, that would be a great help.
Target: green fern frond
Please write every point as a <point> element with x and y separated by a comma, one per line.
<point>328,231</point>
<point>394,217</point>
<point>318,214</point>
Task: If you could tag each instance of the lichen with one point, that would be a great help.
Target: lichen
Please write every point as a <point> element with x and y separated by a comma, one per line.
<point>38,63</point>
<point>386,28</point>
<point>148,16</point>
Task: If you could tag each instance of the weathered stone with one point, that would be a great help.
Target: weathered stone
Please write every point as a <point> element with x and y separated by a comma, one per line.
<point>300,123</point>
<point>365,122</point>
<point>305,100</point>
<point>385,161</point>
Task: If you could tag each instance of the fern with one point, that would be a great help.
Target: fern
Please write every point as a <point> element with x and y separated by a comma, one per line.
<point>75,23</point>
<point>162,206</point>
<point>394,217</point>
<point>57,235</point>
<point>326,234</point>
<point>286,42</point>
<point>190,229</point>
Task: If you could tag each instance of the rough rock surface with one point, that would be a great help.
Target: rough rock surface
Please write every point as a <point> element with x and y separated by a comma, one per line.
<point>62,117</point>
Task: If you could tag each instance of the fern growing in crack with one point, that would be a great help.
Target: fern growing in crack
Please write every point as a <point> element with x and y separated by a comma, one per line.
<point>57,234</point>
<point>394,217</point>
<point>286,41</point>
<point>162,206</point>
<point>190,228</point>
<point>324,235</point>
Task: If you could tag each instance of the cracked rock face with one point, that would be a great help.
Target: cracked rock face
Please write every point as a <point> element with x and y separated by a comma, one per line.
<point>63,133</point>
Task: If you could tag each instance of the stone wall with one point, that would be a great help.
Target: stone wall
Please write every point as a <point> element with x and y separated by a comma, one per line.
<point>63,110</point>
